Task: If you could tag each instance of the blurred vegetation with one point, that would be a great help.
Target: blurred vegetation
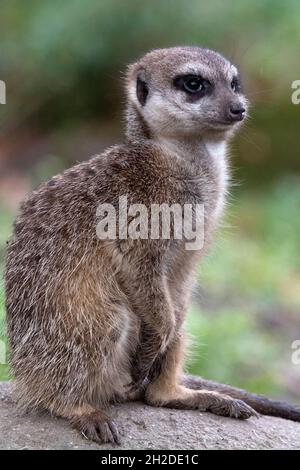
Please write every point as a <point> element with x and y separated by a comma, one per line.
<point>62,63</point>
<point>6,219</point>
<point>253,276</point>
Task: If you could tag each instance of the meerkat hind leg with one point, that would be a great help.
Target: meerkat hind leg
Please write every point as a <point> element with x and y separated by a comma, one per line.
<point>166,391</point>
<point>203,400</point>
<point>95,424</point>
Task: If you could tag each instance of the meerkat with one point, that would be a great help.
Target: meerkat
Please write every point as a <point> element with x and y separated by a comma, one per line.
<point>92,321</point>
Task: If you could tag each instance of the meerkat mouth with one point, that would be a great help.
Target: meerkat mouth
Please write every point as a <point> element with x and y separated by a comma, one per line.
<point>226,124</point>
<point>221,125</point>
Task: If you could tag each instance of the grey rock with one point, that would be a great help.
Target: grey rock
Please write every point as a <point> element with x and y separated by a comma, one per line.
<point>144,427</point>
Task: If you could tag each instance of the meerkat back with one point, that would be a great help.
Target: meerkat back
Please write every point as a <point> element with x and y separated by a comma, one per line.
<point>64,308</point>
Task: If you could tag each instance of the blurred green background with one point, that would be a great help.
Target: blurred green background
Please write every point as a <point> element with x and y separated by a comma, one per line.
<point>62,63</point>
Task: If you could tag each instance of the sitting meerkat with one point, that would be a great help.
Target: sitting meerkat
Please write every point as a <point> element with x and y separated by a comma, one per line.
<point>96,321</point>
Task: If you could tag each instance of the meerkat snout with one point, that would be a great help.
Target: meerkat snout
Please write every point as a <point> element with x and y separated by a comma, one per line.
<point>186,91</point>
<point>236,112</point>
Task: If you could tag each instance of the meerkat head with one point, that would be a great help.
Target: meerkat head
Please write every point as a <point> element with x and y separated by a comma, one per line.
<point>185,91</point>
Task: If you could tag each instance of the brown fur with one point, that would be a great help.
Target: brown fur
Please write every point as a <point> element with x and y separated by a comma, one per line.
<point>92,322</point>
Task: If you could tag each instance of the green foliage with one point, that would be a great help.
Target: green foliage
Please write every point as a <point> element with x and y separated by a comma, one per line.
<point>259,256</point>
<point>229,347</point>
<point>5,224</point>
<point>255,267</point>
<point>62,60</point>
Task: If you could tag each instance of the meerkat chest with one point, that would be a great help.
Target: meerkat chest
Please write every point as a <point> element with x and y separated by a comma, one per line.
<point>217,157</point>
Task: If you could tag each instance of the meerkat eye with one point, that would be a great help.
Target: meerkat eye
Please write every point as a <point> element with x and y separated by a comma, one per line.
<point>192,84</point>
<point>236,85</point>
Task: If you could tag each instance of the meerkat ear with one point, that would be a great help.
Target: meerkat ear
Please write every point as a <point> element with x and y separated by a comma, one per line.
<point>142,89</point>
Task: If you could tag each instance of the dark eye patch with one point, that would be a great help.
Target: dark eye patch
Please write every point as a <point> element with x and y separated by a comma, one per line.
<point>236,85</point>
<point>194,85</point>
<point>142,90</point>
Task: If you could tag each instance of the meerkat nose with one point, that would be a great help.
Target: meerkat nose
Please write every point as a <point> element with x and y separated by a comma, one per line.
<point>236,112</point>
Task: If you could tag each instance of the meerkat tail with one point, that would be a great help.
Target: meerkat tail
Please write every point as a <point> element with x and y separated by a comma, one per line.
<point>259,403</point>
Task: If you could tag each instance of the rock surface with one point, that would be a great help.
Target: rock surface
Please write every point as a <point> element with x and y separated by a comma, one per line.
<point>143,427</point>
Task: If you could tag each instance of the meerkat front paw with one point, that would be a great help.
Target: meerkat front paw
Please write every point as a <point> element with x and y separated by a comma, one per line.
<point>98,427</point>
<point>135,387</point>
<point>139,375</point>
